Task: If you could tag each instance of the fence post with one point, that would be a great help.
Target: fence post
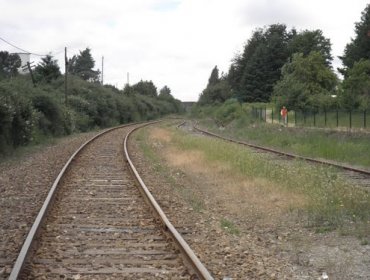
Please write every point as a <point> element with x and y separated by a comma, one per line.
<point>279,117</point>
<point>295,118</point>
<point>265,114</point>
<point>350,119</point>
<point>314,118</point>
<point>337,118</point>
<point>325,117</point>
<point>304,118</point>
<point>272,115</point>
<point>261,118</point>
<point>364,118</point>
<point>287,119</point>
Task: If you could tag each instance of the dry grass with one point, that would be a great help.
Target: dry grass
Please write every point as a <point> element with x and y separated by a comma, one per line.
<point>238,194</point>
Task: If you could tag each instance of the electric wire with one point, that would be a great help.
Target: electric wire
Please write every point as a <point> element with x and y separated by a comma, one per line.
<point>21,48</point>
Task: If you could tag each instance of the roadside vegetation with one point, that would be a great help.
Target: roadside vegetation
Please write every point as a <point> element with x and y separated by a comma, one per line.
<point>34,110</point>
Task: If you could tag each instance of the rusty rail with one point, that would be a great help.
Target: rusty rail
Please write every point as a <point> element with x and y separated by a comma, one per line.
<point>342,166</point>
<point>27,245</point>
<point>199,268</point>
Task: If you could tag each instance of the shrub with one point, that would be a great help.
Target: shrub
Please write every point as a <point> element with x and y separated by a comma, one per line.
<point>51,121</point>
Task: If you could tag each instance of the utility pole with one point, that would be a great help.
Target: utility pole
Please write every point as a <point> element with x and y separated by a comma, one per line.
<point>65,76</point>
<point>102,70</point>
<point>30,69</point>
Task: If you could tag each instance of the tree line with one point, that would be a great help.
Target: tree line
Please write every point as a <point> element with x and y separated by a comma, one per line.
<point>30,114</point>
<point>294,68</point>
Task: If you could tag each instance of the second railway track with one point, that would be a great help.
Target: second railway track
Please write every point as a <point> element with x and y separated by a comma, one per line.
<point>100,226</point>
<point>358,176</point>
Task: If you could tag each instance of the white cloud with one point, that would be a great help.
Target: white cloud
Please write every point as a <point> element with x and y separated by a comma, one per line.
<point>172,42</point>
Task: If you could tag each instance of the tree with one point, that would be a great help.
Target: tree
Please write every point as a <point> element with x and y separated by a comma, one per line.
<point>173,105</point>
<point>145,88</point>
<point>356,87</point>
<point>308,41</point>
<point>307,83</point>
<point>359,47</point>
<point>240,61</point>
<point>255,72</point>
<point>82,65</point>
<point>218,89</point>
<point>9,64</point>
<point>214,78</point>
<point>165,93</point>
<point>47,69</point>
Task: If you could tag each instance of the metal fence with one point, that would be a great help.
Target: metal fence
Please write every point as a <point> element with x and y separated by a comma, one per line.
<point>332,119</point>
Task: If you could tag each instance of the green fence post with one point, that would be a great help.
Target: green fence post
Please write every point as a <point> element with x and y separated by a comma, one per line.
<point>265,114</point>
<point>364,118</point>
<point>279,117</point>
<point>325,116</point>
<point>350,119</point>
<point>337,118</point>
<point>287,119</point>
<point>295,118</point>
<point>314,118</point>
<point>272,115</point>
<point>304,118</point>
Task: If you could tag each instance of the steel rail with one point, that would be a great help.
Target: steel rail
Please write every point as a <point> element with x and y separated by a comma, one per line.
<point>27,245</point>
<point>199,268</point>
<point>342,166</point>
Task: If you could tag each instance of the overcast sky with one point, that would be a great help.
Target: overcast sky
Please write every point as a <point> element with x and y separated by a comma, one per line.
<point>171,42</point>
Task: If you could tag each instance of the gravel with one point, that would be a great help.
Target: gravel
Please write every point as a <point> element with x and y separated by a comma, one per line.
<point>24,184</point>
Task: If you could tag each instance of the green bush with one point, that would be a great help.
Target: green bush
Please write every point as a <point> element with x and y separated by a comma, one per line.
<point>51,121</point>
<point>32,114</point>
<point>17,121</point>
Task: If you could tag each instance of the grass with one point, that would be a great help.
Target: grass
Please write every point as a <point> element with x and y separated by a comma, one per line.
<point>352,148</point>
<point>142,138</point>
<point>229,226</point>
<point>330,202</point>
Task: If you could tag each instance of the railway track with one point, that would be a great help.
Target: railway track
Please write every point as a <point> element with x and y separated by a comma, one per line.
<point>358,176</point>
<point>96,223</point>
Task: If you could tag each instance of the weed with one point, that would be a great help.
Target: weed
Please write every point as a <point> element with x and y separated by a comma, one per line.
<point>229,226</point>
<point>364,242</point>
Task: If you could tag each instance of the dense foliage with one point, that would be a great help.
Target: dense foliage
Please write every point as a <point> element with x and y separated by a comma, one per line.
<point>359,47</point>
<point>306,83</point>
<point>294,69</point>
<point>9,64</point>
<point>82,66</point>
<point>254,73</point>
<point>47,70</point>
<point>29,114</point>
<point>218,89</point>
<point>356,87</point>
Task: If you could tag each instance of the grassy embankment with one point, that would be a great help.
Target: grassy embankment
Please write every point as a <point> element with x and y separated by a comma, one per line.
<point>327,201</point>
<point>347,147</point>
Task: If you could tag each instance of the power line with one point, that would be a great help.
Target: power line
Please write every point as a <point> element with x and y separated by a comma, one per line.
<point>20,48</point>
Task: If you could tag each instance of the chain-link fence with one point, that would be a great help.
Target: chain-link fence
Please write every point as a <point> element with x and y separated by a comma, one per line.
<point>332,118</point>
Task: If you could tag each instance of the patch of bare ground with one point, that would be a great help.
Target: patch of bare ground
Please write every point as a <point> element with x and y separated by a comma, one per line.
<point>24,184</point>
<point>243,228</point>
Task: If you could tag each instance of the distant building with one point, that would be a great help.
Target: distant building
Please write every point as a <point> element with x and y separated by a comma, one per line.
<point>25,57</point>
<point>187,105</point>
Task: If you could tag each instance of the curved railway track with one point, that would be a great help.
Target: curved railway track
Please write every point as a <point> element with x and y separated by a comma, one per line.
<point>360,177</point>
<point>97,224</point>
